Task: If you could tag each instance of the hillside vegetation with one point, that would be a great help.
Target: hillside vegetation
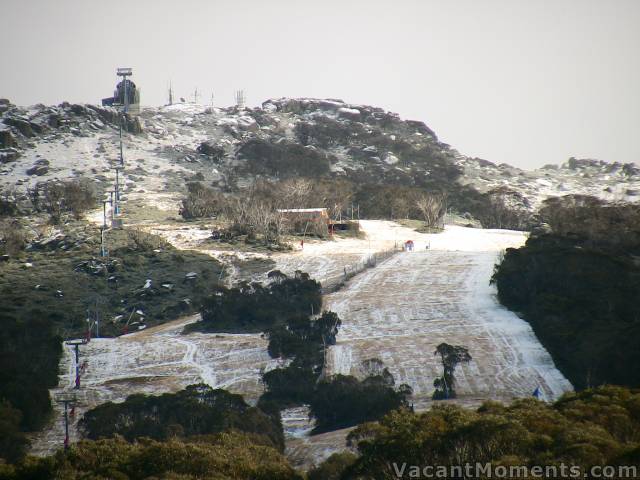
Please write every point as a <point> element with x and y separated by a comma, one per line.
<point>196,410</point>
<point>212,457</point>
<point>52,283</point>
<point>287,311</point>
<point>577,281</point>
<point>594,427</point>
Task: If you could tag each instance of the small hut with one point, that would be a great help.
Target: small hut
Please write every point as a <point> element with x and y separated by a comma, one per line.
<point>306,220</point>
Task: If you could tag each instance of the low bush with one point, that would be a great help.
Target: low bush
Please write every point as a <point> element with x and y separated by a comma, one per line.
<point>13,237</point>
<point>8,208</point>
<point>13,442</point>
<point>324,132</point>
<point>254,307</point>
<point>57,197</point>
<point>343,401</point>
<point>220,456</point>
<point>202,202</point>
<point>196,410</point>
<point>283,160</point>
<point>585,429</point>
<point>333,467</point>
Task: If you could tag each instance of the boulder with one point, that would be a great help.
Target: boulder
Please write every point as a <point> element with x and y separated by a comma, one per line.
<point>39,126</point>
<point>132,124</point>
<point>246,122</point>
<point>8,155</point>
<point>349,113</point>
<point>6,138</point>
<point>5,105</point>
<point>53,120</point>
<point>420,127</point>
<point>108,115</point>
<point>211,150</point>
<point>79,109</point>
<point>41,167</point>
<point>21,124</point>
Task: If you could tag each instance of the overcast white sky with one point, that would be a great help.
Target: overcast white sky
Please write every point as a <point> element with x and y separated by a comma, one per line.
<point>522,82</point>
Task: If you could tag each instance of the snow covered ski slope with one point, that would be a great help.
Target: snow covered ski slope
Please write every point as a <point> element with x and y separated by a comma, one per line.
<point>402,309</point>
<point>155,361</point>
<point>398,311</point>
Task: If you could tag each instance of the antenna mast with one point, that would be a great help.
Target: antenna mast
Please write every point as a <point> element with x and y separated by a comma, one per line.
<point>240,99</point>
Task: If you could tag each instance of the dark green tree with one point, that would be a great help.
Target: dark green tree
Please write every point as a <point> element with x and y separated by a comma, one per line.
<point>451,356</point>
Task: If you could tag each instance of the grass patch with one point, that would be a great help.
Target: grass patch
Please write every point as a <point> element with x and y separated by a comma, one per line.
<point>62,285</point>
<point>137,211</point>
<point>419,226</point>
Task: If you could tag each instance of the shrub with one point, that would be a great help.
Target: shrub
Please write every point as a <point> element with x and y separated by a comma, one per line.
<point>211,150</point>
<point>253,307</point>
<point>333,467</point>
<point>59,197</point>
<point>29,355</point>
<point>147,242</point>
<point>13,442</point>
<point>202,202</point>
<point>8,206</point>
<point>13,237</point>
<point>283,159</point>
<point>326,132</point>
<point>196,410</point>
<point>213,457</point>
<point>79,196</point>
<point>342,401</point>
<point>577,430</point>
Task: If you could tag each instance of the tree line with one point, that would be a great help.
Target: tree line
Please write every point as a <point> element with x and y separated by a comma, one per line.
<point>593,427</point>
<point>577,281</point>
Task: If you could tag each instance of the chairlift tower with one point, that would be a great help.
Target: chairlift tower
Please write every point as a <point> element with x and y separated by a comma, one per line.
<point>125,98</point>
<point>93,316</point>
<point>125,72</point>
<point>67,399</point>
<point>116,196</point>
<point>76,344</point>
<point>103,250</point>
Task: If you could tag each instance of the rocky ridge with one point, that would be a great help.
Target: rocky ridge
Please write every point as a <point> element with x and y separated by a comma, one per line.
<point>229,148</point>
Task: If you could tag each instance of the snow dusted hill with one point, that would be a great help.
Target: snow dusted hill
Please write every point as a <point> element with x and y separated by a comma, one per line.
<point>401,310</point>
<point>398,311</point>
<point>228,148</point>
